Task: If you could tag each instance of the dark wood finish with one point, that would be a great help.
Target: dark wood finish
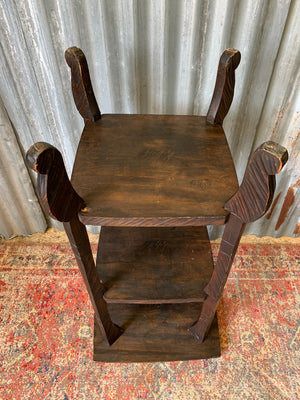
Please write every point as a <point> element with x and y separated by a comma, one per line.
<point>152,182</point>
<point>79,241</point>
<point>55,191</point>
<point>255,194</point>
<point>224,88</point>
<point>230,241</point>
<point>156,333</point>
<point>60,200</point>
<point>153,170</point>
<point>251,201</point>
<point>154,265</point>
<point>81,85</point>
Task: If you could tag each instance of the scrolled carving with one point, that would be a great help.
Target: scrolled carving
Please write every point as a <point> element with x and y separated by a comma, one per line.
<point>55,190</point>
<point>255,194</point>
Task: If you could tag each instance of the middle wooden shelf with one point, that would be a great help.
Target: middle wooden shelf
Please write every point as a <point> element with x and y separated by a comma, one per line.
<point>141,265</point>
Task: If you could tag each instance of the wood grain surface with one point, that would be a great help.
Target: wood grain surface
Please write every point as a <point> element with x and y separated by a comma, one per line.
<point>224,87</point>
<point>154,265</point>
<point>55,191</point>
<point>152,181</point>
<point>80,244</point>
<point>251,201</point>
<point>82,89</point>
<point>61,202</point>
<point>156,333</point>
<point>153,170</point>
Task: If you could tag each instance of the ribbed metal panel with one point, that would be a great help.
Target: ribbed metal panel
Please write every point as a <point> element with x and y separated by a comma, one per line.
<point>157,56</point>
<point>20,210</point>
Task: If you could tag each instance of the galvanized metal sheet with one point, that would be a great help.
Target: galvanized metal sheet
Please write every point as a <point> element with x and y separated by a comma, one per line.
<point>20,210</point>
<point>158,56</point>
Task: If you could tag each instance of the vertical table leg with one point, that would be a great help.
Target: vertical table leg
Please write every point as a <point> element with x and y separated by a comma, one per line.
<point>60,201</point>
<point>80,244</point>
<point>250,202</point>
<point>230,241</point>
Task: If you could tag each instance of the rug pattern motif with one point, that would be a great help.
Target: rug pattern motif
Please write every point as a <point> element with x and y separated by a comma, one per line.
<point>46,333</point>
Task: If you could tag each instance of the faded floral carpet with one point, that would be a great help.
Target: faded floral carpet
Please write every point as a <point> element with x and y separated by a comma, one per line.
<point>46,329</point>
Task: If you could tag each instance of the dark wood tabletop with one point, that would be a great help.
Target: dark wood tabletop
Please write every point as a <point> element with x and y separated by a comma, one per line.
<point>153,170</point>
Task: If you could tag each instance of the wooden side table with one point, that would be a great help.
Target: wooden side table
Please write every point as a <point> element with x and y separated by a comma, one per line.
<point>153,183</point>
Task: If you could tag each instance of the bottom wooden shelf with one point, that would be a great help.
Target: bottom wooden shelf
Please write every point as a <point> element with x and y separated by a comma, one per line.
<point>156,333</point>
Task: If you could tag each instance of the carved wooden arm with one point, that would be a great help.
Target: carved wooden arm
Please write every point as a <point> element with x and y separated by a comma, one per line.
<point>224,88</point>
<point>60,200</point>
<point>250,202</point>
<point>255,194</point>
<point>81,85</point>
<point>55,190</point>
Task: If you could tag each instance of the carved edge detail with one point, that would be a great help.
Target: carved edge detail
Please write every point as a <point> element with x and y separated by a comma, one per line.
<point>81,85</point>
<point>57,195</point>
<point>224,87</point>
<point>256,192</point>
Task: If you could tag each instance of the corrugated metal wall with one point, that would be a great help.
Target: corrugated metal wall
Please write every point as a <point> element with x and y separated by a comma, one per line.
<point>147,57</point>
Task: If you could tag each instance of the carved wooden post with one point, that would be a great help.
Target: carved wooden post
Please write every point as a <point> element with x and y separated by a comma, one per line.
<point>61,202</point>
<point>224,88</point>
<point>81,85</point>
<point>250,202</point>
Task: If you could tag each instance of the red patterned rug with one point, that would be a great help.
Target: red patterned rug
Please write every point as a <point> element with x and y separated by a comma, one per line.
<point>46,329</point>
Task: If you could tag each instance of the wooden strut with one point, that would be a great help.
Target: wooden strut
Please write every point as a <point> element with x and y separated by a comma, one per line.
<point>249,203</point>
<point>61,202</point>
